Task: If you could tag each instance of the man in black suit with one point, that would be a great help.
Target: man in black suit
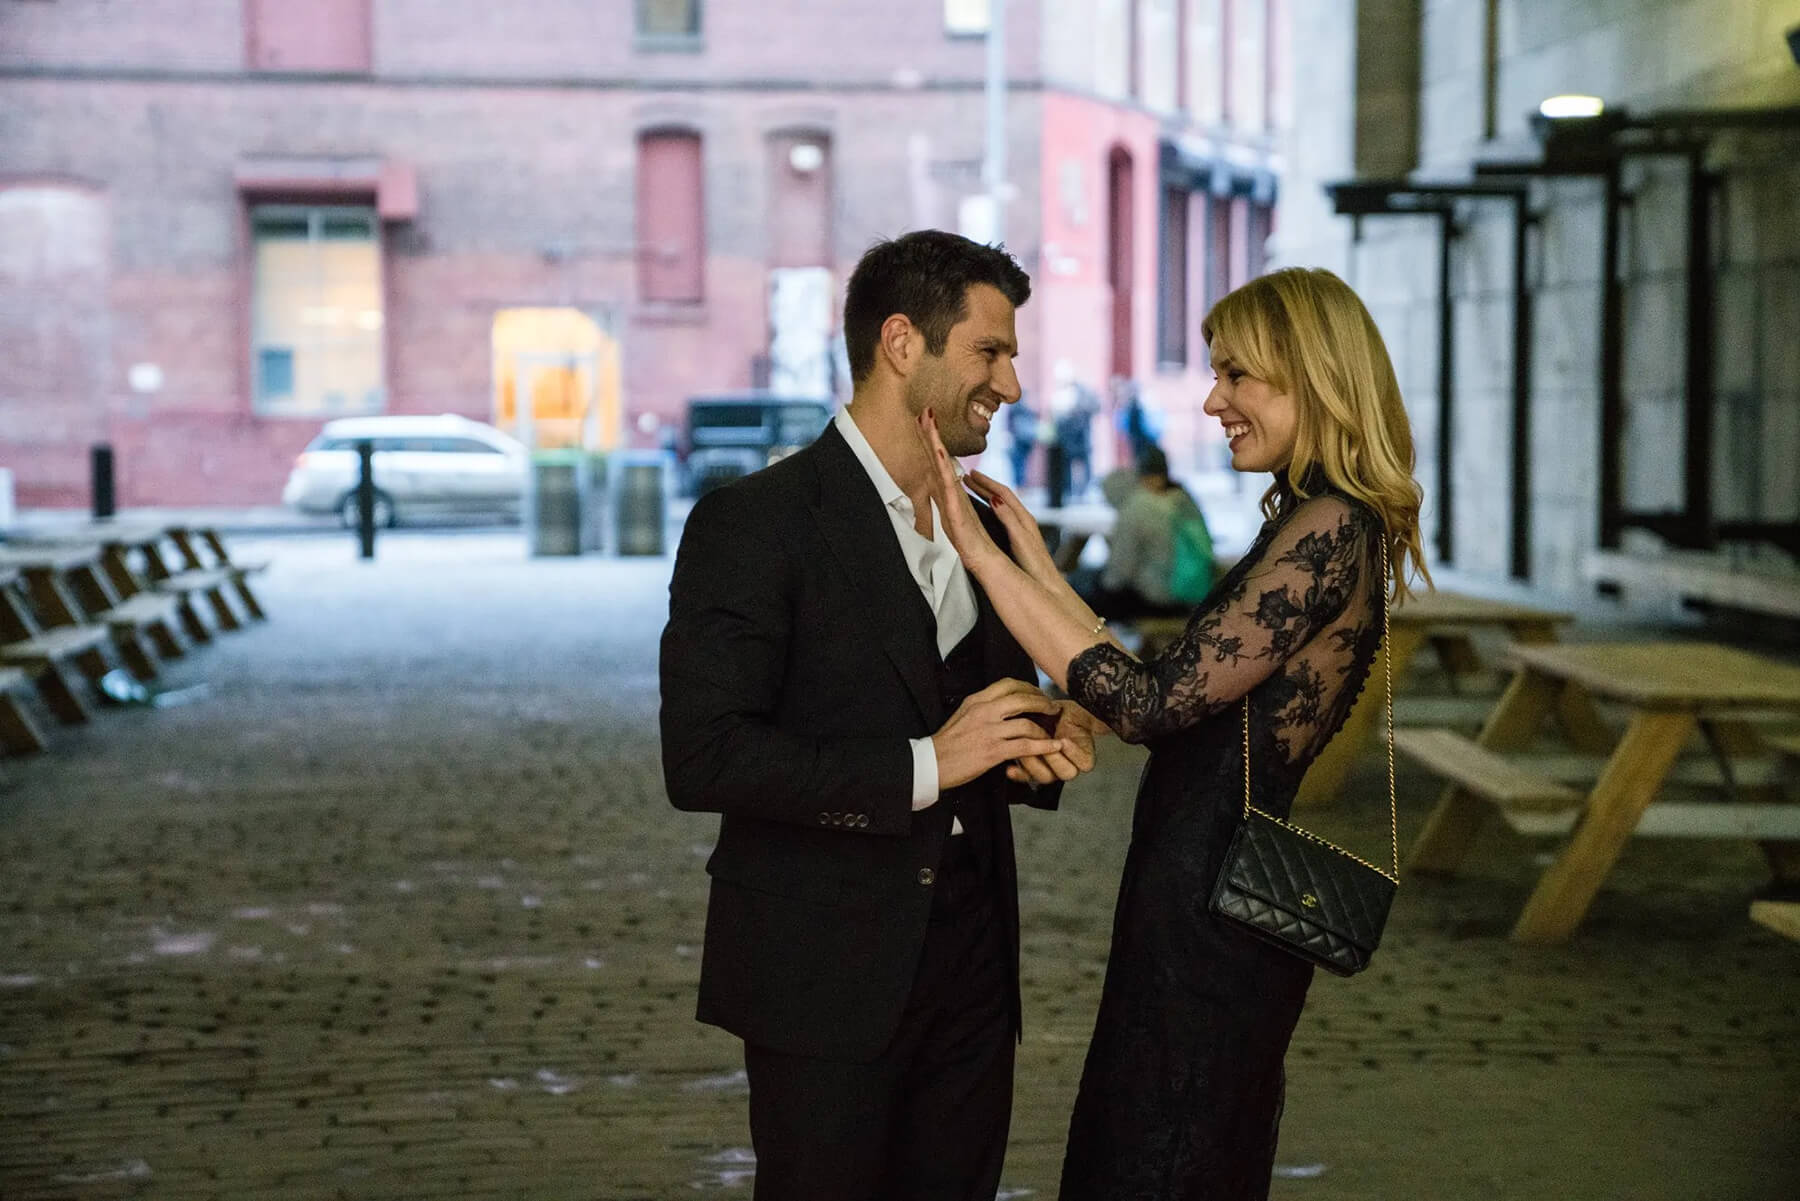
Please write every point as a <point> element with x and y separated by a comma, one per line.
<point>836,686</point>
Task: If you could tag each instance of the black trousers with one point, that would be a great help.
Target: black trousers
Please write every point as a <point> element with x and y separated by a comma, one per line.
<point>926,1121</point>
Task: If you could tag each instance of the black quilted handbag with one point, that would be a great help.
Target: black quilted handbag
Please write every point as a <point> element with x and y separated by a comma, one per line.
<point>1306,895</point>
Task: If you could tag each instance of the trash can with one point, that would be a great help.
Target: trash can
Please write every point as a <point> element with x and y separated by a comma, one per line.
<point>640,500</point>
<point>558,493</point>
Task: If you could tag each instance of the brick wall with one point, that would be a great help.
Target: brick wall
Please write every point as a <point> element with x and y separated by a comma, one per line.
<point>523,135</point>
<point>561,40</point>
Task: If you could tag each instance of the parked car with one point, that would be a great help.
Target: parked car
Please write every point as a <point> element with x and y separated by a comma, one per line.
<point>424,466</point>
<point>732,435</point>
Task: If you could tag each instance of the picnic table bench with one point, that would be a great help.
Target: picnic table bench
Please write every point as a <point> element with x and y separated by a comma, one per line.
<point>18,733</point>
<point>1697,576</point>
<point>68,587</point>
<point>1446,621</point>
<point>1607,791</point>
<point>188,540</point>
<point>1783,917</point>
<point>43,654</point>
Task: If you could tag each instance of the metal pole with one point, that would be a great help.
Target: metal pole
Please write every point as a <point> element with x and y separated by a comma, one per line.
<point>1697,516</point>
<point>1612,341</point>
<point>1521,388</point>
<point>994,165</point>
<point>1446,433</point>
<point>365,497</point>
<point>101,463</point>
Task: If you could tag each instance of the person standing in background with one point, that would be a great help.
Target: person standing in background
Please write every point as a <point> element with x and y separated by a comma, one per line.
<point>1022,429</point>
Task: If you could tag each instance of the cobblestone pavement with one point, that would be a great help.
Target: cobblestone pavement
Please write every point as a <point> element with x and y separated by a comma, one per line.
<point>398,910</point>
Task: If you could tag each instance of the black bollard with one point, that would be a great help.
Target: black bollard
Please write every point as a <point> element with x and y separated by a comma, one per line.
<point>365,497</point>
<point>101,460</point>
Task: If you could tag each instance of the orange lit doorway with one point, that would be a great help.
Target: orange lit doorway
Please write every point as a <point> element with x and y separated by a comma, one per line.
<point>568,364</point>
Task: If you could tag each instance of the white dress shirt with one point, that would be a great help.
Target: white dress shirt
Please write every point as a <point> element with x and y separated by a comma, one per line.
<point>940,575</point>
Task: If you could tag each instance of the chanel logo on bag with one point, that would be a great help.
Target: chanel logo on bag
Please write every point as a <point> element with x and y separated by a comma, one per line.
<point>1310,901</point>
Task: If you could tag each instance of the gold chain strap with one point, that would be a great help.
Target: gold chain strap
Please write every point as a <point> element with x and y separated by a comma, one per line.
<point>1393,808</point>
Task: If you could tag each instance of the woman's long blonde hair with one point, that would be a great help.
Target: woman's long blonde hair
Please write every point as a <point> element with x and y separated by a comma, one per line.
<point>1304,332</point>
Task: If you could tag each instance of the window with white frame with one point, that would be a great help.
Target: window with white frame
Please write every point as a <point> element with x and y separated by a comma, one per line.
<point>316,323</point>
<point>966,18</point>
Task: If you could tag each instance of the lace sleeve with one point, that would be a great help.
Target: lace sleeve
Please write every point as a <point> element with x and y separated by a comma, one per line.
<point>1298,586</point>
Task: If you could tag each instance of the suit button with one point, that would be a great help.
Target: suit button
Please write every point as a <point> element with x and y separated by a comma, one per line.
<point>824,819</point>
<point>862,820</point>
<point>927,877</point>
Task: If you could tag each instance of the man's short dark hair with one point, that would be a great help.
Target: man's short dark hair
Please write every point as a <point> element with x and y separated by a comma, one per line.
<point>926,276</point>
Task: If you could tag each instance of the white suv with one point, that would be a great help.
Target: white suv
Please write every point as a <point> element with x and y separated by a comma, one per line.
<point>423,466</point>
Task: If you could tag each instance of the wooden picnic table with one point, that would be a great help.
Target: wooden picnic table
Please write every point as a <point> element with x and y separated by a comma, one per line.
<point>1074,526</point>
<point>40,653</point>
<point>69,586</point>
<point>1671,690</point>
<point>121,541</point>
<point>17,731</point>
<point>191,540</point>
<point>1445,620</point>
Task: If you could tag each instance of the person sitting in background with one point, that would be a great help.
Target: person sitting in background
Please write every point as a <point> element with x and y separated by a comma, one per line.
<point>1146,573</point>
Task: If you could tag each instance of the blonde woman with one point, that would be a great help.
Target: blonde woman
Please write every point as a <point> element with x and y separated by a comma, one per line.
<point>1182,1091</point>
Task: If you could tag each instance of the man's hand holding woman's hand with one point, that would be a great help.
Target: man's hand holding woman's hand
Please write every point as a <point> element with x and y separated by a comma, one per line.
<point>1000,724</point>
<point>1076,729</point>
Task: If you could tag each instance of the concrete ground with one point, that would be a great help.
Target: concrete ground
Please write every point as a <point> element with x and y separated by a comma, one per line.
<point>396,909</point>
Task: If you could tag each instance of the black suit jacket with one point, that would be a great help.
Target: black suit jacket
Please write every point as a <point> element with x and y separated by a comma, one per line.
<point>799,657</point>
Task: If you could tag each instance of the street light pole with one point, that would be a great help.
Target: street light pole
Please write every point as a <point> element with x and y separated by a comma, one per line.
<point>993,168</point>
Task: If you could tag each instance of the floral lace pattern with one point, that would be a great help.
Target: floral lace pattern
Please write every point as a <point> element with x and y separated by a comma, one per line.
<point>1296,583</point>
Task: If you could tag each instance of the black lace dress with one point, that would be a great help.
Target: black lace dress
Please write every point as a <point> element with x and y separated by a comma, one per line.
<point>1182,1091</point>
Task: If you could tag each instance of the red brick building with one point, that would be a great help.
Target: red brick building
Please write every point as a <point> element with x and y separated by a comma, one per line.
<point>225,221</point>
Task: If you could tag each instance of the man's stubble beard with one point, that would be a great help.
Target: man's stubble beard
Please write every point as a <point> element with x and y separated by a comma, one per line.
<point>958,436</point>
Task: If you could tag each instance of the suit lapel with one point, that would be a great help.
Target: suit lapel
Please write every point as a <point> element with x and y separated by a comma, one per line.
<point>856,527</point>
<point>999,652</point>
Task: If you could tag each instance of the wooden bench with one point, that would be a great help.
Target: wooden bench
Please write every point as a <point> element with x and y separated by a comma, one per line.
<point>1485,773</point>
<point>188,541</point>
<point>144,614</point>
<point>1783,917</point>
<point>18,733</point>
<point>1533,790</point>
<point>210,582</point>
<point>1697,576</point>
<point>42,654</point>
